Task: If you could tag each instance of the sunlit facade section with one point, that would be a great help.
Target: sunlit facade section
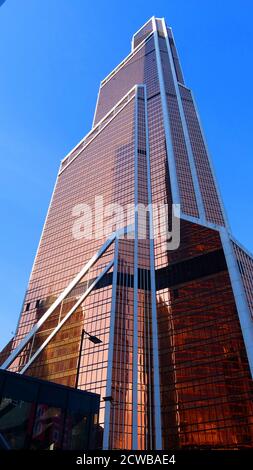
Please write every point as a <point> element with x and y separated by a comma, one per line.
<point>205,380</point>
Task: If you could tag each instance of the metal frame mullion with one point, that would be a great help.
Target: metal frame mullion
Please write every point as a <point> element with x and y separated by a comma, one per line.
<point>168,138</point>
<point>108,403</point>
<point>135,322</point>
<point>157,399</point>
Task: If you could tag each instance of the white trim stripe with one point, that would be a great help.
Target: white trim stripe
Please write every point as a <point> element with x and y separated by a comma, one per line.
<point>135,319</point>
<point>107,420</point>
<point>194,175</point>
<point>157,397</point>
<point>127,58</point>
<point>128,97</point>
<point>244,314</point>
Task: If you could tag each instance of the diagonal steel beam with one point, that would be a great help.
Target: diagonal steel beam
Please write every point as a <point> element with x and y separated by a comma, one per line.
<point>57,302</point>
<point>72,310</point>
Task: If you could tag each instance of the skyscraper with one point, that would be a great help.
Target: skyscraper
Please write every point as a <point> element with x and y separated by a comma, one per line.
<point>160,327</point>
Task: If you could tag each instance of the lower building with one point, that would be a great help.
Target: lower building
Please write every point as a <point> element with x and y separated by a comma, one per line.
<point>36,414</point>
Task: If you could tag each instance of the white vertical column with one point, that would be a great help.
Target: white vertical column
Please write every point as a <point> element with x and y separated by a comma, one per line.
<point>156,380</point>
<point>195,180</point>
<point>239,295</point>
<point>211,166</point>
<point>170,151</point>
<point>135,322</point>
<point>108,403</point>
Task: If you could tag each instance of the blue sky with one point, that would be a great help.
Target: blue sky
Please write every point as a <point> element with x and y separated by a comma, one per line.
<point>53,54</point>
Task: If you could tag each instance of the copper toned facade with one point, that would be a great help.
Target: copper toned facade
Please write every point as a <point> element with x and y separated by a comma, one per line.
<point>172,357</point>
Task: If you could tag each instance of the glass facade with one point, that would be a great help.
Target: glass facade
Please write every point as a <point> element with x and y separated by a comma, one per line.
<point>207,185</point>
<point>171,363</point>
<point>139,67</point>
<point>144,32</point>
<point>206,385</point>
